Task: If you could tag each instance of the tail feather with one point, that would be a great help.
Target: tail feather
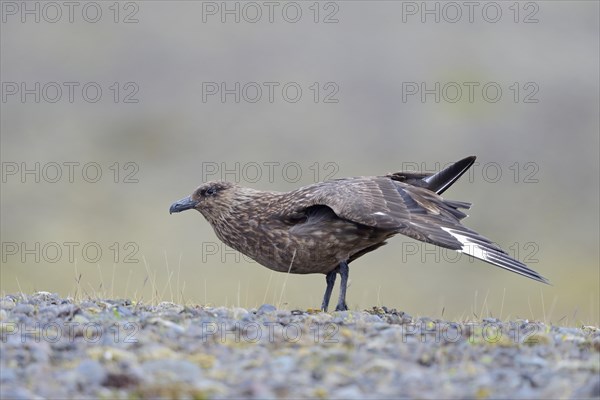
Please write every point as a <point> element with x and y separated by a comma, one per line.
<point>484,250</point>
<point>442,180</point>
<point>437,182</point>
<point>460,238</point>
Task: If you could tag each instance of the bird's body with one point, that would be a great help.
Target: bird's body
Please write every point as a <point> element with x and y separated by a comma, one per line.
<point>266,227</point>
<point>323,227</point>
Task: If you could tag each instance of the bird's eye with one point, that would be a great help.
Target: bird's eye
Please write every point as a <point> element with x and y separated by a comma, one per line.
<point>210,191</point>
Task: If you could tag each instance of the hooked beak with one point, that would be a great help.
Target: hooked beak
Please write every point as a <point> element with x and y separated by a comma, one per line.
<point>184,204</point>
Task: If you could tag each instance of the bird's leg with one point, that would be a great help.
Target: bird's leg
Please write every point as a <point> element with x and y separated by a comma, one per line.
<point>330,279</point>
<point>344,272</point>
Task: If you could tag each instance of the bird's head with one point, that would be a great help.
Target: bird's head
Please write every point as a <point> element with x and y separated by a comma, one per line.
<point>212,199</point>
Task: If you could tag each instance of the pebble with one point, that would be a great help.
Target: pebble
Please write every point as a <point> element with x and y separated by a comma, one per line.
<point>23,308</point>
<point>90,372</point>
<point>266,309</point>
<point>12,392</point>
<point>172,351</point>
<point>168,306</point>
<point>7,375</point>
<point>348,392</point>
<point>7,303</point>
<point>171,371</point>
<point>239,313</point>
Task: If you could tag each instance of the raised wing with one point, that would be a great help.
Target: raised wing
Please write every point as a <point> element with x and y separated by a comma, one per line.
<point>378,202</point>
<point>388,204</point>
<point>437,182</point>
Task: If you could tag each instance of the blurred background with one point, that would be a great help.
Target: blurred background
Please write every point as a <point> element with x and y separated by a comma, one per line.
<point>112,111</point>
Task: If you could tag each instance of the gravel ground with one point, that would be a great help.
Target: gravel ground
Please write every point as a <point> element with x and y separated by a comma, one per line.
<point>59,348</point>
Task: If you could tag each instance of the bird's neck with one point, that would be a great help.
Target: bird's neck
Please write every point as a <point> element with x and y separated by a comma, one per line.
<point>242,216</point>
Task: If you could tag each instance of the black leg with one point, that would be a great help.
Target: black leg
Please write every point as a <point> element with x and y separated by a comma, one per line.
<point>344,272</point>
<point>330,279</point>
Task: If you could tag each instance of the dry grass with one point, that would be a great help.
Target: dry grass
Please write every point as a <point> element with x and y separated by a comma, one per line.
<point>173,290</point>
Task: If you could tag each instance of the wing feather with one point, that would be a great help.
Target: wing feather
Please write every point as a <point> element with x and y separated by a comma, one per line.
<point>398,207</point>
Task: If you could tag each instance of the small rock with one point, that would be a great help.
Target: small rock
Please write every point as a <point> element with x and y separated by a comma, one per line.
<point>88,304</point>
<point>531,361</point>
<point>23,308</point>
<point>14,392</point>
<point>239,313</point>
<point>348,392</point>
<point>80,319</point>
<point>120,380</point>
<point>266,309</point>
<point>168,306</point>
<point>491,320</point>
<point>7,303</point>
<point>45,297</point>
<point>284,364</point>
<point>7,375</point>
<point>596,343</point>
<point>171,371</point>
<point>372,318</point>
<point>176,328</point>
<point>90,372</point>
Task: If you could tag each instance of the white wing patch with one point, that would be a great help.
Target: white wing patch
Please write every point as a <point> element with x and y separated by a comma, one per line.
<point>468,246</point>
<point>380,213</point>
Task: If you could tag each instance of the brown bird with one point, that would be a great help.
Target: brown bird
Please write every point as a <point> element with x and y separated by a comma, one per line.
<point>321,228</point>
